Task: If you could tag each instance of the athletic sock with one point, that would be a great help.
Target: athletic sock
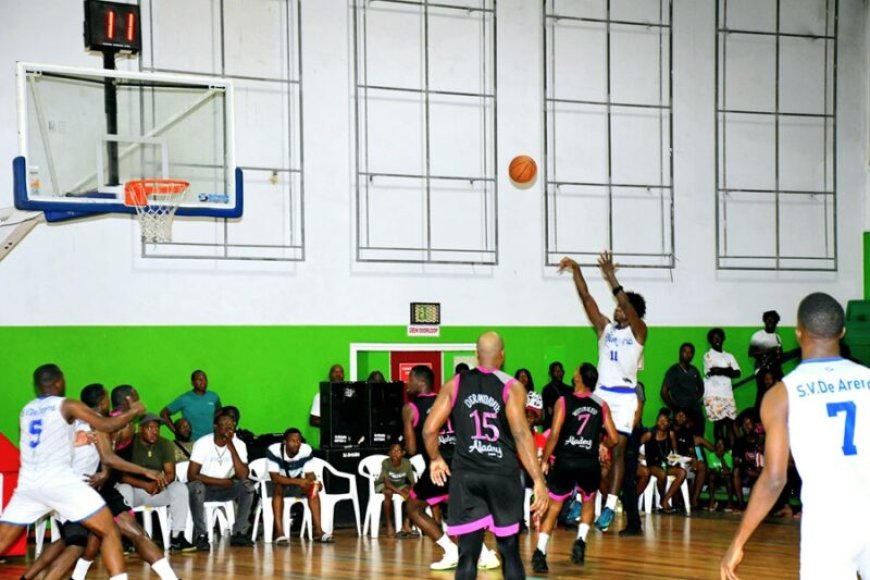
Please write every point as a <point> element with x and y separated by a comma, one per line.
<point>447,544</point>
<point>119,577</point>
<point>543,540</point>
<point>81,569</point>
<point>582,530</point>
<point>611,501</point>
<point>162,568</point>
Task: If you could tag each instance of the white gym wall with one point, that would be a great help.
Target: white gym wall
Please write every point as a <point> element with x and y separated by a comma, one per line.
<point>92,273</point>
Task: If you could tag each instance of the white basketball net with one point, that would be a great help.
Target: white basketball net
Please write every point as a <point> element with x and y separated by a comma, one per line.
<point>155,201</point>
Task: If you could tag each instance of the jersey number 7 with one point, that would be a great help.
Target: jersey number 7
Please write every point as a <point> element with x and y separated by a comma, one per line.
<point>850,409</point>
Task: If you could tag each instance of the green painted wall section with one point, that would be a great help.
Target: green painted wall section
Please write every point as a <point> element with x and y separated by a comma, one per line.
<point>271,372</point>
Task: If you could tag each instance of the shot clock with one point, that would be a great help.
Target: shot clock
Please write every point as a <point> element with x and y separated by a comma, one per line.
<point>112,27</point>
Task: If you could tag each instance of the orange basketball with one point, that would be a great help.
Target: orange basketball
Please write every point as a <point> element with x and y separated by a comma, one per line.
<point>523,169</point>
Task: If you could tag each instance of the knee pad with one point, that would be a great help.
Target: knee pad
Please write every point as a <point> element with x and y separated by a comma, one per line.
<point>74,534</point>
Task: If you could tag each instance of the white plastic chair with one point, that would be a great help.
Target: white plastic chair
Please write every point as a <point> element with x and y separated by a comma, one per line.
<point>370,468</point>
<point>40,531</point>
<point>222,511</point>
<point>328,500</point>
<point>651,497</point>
<point>162,513</point>
<point>419,465</point>
<point>259,473</point>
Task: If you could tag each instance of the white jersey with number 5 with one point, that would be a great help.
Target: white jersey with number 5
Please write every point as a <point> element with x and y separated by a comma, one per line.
<point>46,441</point>
<point>829,432</point>
<point>619,355</point>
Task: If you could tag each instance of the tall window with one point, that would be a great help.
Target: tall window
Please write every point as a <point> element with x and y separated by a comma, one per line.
<point>256,43</point>
<point>425,129</point>
<point>776,79</point>
<point>609,172</point>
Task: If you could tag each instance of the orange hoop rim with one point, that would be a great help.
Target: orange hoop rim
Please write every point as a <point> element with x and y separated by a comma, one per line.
<point>136,192</point>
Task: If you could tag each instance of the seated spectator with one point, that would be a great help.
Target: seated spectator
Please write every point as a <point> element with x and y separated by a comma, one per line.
<point>336,375</point>
<point>376,377</point>
<point>199,406</point>
<point>397,477</point>
<point>182,443</point>
<point>683,387</point>
<point>659,444</point>
<point>461,368</point>
<point>243,434</point>
<point>287,469</point>
<point>719,469</point>
<point>152,451</point>
<point>525,377</point>
<point>748,455</point>
<point>687,447</point>
<point>219,472</point>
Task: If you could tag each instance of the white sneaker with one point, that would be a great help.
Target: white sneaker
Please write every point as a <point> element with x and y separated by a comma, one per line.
<point>488,560</point>
<point>448,562</point>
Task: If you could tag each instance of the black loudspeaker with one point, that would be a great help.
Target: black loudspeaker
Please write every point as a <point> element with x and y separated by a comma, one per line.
<point>385,406</point>
<point>344,418</point>
<point>360,414</point>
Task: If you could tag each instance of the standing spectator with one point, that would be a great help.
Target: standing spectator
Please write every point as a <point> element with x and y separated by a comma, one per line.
<point>152,451</point>
<point>183,445</point>
<point>525,377</point>
<point>199,406</point>
<point>336,375</point>
<point>461,368</point>
<point>683,387</point>
<point>553,390</point>
<point>376,377</point>
<point>719,368</point>
<point>218,471</point>
<point>765,347</point>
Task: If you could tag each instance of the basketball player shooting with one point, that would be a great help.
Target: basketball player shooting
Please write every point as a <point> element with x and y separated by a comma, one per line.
<point>820,411</point>
<point>620,346</point>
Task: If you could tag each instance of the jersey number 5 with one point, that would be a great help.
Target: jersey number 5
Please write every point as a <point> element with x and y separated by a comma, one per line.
<point>35,431</point>
<point>849,408</point>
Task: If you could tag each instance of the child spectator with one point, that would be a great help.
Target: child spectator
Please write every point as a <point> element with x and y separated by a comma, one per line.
<point>748,455</point>
<point>659,444</point>
<point>720,465</point>
<point>397,477</point>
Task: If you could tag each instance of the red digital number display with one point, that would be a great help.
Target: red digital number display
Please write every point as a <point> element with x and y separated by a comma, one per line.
<point>112,26</point>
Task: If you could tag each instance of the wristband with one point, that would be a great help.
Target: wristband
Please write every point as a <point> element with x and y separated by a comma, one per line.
<point>617,290</point>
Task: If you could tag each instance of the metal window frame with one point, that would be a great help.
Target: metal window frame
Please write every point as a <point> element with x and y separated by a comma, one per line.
<point>665,259</point>
<point>428,254</point>
<point>294,251</point>
<point>780,262</point>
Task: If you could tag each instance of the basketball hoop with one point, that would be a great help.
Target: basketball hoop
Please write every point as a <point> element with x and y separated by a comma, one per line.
<point>155,201</point>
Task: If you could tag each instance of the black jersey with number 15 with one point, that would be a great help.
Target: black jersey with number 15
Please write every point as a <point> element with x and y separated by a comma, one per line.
<point>484,441</point>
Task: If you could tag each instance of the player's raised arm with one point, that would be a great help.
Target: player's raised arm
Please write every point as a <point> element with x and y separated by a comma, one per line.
<point>608,268</point>
<point>774,417</point>
<point>598,320</point>
<point>73,409</point>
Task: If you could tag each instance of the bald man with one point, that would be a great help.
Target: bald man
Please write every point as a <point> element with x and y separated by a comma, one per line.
<point>487,410</point>
<point>819,410</point>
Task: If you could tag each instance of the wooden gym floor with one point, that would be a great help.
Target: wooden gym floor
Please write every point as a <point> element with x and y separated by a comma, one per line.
<point>673,547</point>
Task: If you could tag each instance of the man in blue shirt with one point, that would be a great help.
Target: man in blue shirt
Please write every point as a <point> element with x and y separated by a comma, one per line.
<point>199,406</point>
